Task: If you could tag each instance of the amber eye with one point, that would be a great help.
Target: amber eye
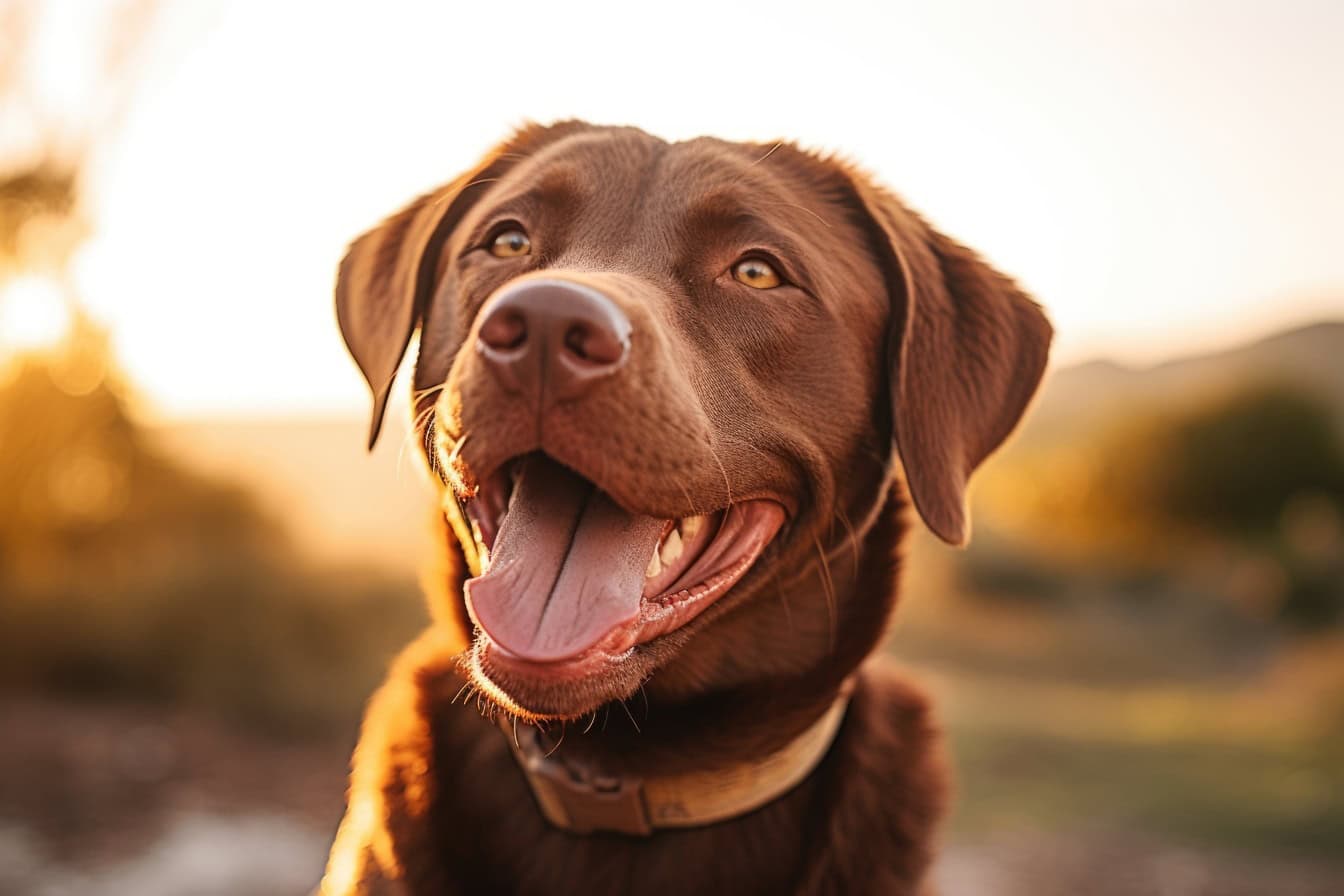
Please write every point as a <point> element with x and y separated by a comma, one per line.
<point>510,244</point>
<point>756,273</point>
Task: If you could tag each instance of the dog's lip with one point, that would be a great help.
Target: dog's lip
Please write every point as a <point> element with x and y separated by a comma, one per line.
<point>487,507</point>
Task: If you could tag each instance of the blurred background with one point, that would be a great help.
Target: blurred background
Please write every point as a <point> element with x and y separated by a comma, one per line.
<point>1140,658</point>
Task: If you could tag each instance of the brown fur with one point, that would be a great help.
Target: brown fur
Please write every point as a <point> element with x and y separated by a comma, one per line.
<point>892,335</point>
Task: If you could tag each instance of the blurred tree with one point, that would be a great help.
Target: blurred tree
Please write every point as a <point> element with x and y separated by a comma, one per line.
<point>46,146</point>
<point>92,515</point>
<point>1243,469</point>
<point>1235,466</point>
<point>123,573</point>
<point>1250,481</point>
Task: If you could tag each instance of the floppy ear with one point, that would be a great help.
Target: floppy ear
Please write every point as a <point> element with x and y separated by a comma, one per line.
<point>382,288</point>
<point>967,351</point>
<point>386,279</point>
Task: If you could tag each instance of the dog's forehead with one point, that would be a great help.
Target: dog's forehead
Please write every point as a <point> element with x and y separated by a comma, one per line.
<point>594,164</point>
<point>625,175</point>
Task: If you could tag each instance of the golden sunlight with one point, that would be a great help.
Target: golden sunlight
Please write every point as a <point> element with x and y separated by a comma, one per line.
<point>34,313</point>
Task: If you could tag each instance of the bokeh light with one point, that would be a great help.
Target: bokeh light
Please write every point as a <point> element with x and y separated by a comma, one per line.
<point>34,313</point>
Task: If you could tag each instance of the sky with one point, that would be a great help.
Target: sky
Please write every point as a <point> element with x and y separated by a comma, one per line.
<point>1164,176</point>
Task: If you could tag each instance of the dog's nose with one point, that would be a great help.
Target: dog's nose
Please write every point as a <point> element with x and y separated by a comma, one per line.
<point>551,338</point>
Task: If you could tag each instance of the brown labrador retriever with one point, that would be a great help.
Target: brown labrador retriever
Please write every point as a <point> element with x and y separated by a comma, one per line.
<point>679,396</point>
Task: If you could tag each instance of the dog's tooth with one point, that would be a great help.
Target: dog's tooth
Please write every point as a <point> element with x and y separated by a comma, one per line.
<point>690,525</point>
<point>671,549</point>
<point>655,566</point>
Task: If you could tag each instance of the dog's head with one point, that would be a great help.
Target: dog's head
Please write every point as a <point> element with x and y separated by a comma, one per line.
<point>662,381</point>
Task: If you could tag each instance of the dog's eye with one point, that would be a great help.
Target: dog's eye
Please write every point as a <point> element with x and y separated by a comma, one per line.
<point>510,244</point>
<point>756,273</point>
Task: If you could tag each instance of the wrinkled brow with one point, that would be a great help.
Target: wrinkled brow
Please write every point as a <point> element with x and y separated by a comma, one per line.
<point>729,216</point>
<point>553,187</point>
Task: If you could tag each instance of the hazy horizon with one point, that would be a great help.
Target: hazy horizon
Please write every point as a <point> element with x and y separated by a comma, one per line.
<point>356,413</point>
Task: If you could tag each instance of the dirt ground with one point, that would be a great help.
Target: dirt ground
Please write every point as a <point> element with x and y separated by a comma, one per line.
<point>118,801</point>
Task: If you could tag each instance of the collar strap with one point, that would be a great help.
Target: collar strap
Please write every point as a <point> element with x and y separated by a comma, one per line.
<point>582,800</point>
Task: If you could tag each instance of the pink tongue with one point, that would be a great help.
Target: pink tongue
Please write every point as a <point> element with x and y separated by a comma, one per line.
<point>566,569</point>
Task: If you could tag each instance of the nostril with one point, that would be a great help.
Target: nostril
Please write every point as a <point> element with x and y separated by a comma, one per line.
<point>594,344</point>
<point>550,338</point>
<point>505,329</point>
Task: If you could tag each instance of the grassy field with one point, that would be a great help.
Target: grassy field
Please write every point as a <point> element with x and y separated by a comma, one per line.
<point>1111,723</point>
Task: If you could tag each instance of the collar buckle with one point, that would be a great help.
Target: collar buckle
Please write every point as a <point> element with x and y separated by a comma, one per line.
<point>574,798</point>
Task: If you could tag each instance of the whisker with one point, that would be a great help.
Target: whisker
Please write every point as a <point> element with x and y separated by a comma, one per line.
<point>852,537</point>
<point>768,154</point>
<point>559,742</point>
<point>828,590</point>
<point>723,470</point>
<point>457,449</point>
<point>779,202</point>
<point>801,208</point>
<point>745,444</point>
<point>631,717</point>
<point>473,693</point>
<point>689,500</point>
<point>417,394</point>
<point>465,685</point>
<point>416,424</point>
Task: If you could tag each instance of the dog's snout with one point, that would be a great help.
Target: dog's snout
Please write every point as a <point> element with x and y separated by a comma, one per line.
<point>552,339</point>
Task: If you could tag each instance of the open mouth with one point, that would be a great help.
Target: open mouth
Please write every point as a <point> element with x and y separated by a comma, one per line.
<point>569,576</point>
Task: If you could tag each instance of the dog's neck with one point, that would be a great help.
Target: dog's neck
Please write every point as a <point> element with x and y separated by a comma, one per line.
<point>581,799</point>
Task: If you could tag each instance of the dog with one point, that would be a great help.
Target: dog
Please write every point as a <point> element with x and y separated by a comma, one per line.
<point>679,397</point>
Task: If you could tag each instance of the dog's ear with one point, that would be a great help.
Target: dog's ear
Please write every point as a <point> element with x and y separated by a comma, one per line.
<point>382,286</point>
<point>387,277</point>
<point>967,350</point>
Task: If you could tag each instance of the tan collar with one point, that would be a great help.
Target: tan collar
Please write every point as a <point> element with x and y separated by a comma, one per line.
<point>582,800</point>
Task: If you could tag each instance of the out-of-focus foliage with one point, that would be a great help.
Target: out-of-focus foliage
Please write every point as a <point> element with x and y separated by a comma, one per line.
<point>1232,468</point>
<point>124,574</point>
<point>1240,497</point>
<point>39,219</point>
<point>46,149</point>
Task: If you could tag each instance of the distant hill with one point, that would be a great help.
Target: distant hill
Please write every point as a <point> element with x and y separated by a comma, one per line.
<point>347,505</point>
<point>1311,356</point>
